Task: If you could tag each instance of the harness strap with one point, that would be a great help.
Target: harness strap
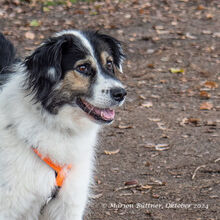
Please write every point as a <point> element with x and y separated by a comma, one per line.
<point>61,171</point>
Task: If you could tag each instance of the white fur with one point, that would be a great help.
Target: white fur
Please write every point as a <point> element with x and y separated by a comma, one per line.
<point>52,73</point>
<point>82,38</point>
<point>103,99</point>
<point>25,180</point>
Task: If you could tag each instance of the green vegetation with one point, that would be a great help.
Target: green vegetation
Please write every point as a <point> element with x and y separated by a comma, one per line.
<point>63,2</point>
<point>34,23</point>
<point>48,3</point>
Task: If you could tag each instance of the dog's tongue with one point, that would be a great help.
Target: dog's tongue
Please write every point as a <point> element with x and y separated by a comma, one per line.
<point>107,114</point>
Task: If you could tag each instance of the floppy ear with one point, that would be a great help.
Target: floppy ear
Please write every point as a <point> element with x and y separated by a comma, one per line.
<point>116,49</point>
<point>44,67</point>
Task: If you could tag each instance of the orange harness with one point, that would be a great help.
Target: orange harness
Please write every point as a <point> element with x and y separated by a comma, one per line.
<point>61,172</point>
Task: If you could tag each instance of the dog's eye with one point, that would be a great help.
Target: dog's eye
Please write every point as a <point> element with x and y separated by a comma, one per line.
<point>109,66</point>
<point>84,69</point>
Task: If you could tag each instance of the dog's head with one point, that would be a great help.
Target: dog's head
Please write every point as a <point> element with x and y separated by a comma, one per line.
<point>77,68</point>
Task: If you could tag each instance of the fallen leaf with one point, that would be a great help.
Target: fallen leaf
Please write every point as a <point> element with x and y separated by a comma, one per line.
<point>158,27</point>
<point>164,59</point>
<point>174,23</point>
<point>204,94</point>
<point>211,123</point>
<point>46,9</point>
<point>149,145</point>
<point>157,182</point>
<point>211,84</point>
<point>164,136</point>
<point>155,196</point>
<point>216,34</point>
<point>145,186</point>
<point>190,36</point>
<point>80,12</point>
<point>183,79</point>
<point>154,119</point>
<point>127,16</point>
<point>112,152</point>
<point>123,194</point>
<point>99,182</point>
<point>93,13</point>
<point>209,16</point>
<point>132,39</point>
<point>69,3</point>
<point>149,51</point>
<point>151,65</point>
<point>176,70</point>
<point>131,182</point>
<point>155,96</point>
<point>29,48</point>
<point>194,121</point>
<point>201,7</point>
<point>30,35</point>
<point>206,106</point>
<point>142,97</point>
<point>206,32</point>
<point>122,126</point>
<point>125,187</point>
<point>147,164</point>
<point>147,104</point>
<point>161,147</point>
<point>97,196</point>
<point>161,125</point>
<point>142,11</point>
<point>162,32</point>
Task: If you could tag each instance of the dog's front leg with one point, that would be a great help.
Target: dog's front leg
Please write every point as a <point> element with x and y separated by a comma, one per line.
<point>71,200</point>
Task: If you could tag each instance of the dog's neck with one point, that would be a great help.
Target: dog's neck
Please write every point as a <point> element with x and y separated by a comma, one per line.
<point>36,127</point>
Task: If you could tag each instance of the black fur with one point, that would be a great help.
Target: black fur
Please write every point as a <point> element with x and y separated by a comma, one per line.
<point>115,48</point>
<point>47,56</point>
<point>7,58</point>
<point>7,53</point>
<point>107,43</point>
<point>59,53</point>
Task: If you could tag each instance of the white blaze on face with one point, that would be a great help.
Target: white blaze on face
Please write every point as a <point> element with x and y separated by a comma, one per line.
<point>101,91</point>
<point>81,37</point>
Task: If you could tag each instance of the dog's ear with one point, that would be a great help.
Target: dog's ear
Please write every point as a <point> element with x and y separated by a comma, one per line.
<point>116,50</point>
<point>44,67</point>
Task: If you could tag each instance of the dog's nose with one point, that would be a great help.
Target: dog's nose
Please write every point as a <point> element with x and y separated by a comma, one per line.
<point>118,94</point>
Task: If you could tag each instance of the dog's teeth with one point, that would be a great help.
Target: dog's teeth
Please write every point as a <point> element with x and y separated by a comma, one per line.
<point>108,114</point>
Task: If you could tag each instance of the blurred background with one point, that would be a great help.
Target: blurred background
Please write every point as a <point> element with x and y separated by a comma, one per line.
<point>160,159</point>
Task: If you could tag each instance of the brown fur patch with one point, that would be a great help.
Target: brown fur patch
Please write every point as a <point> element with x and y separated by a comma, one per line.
<point>88,59</point>
<point>105,56</point>
<point>75,81</point>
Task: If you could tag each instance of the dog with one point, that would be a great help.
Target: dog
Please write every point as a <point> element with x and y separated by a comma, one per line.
<point>52,106</point>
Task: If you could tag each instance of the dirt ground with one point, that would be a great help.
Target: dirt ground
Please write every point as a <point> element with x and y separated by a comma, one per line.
<point>161,158</point>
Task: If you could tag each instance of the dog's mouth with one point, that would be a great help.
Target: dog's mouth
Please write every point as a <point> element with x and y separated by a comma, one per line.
<point>105,115</point>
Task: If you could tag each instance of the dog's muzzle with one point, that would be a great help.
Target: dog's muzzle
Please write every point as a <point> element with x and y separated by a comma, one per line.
<point>118,94</point>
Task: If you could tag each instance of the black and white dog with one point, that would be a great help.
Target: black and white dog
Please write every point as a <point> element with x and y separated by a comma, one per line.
<point>52,105</point>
